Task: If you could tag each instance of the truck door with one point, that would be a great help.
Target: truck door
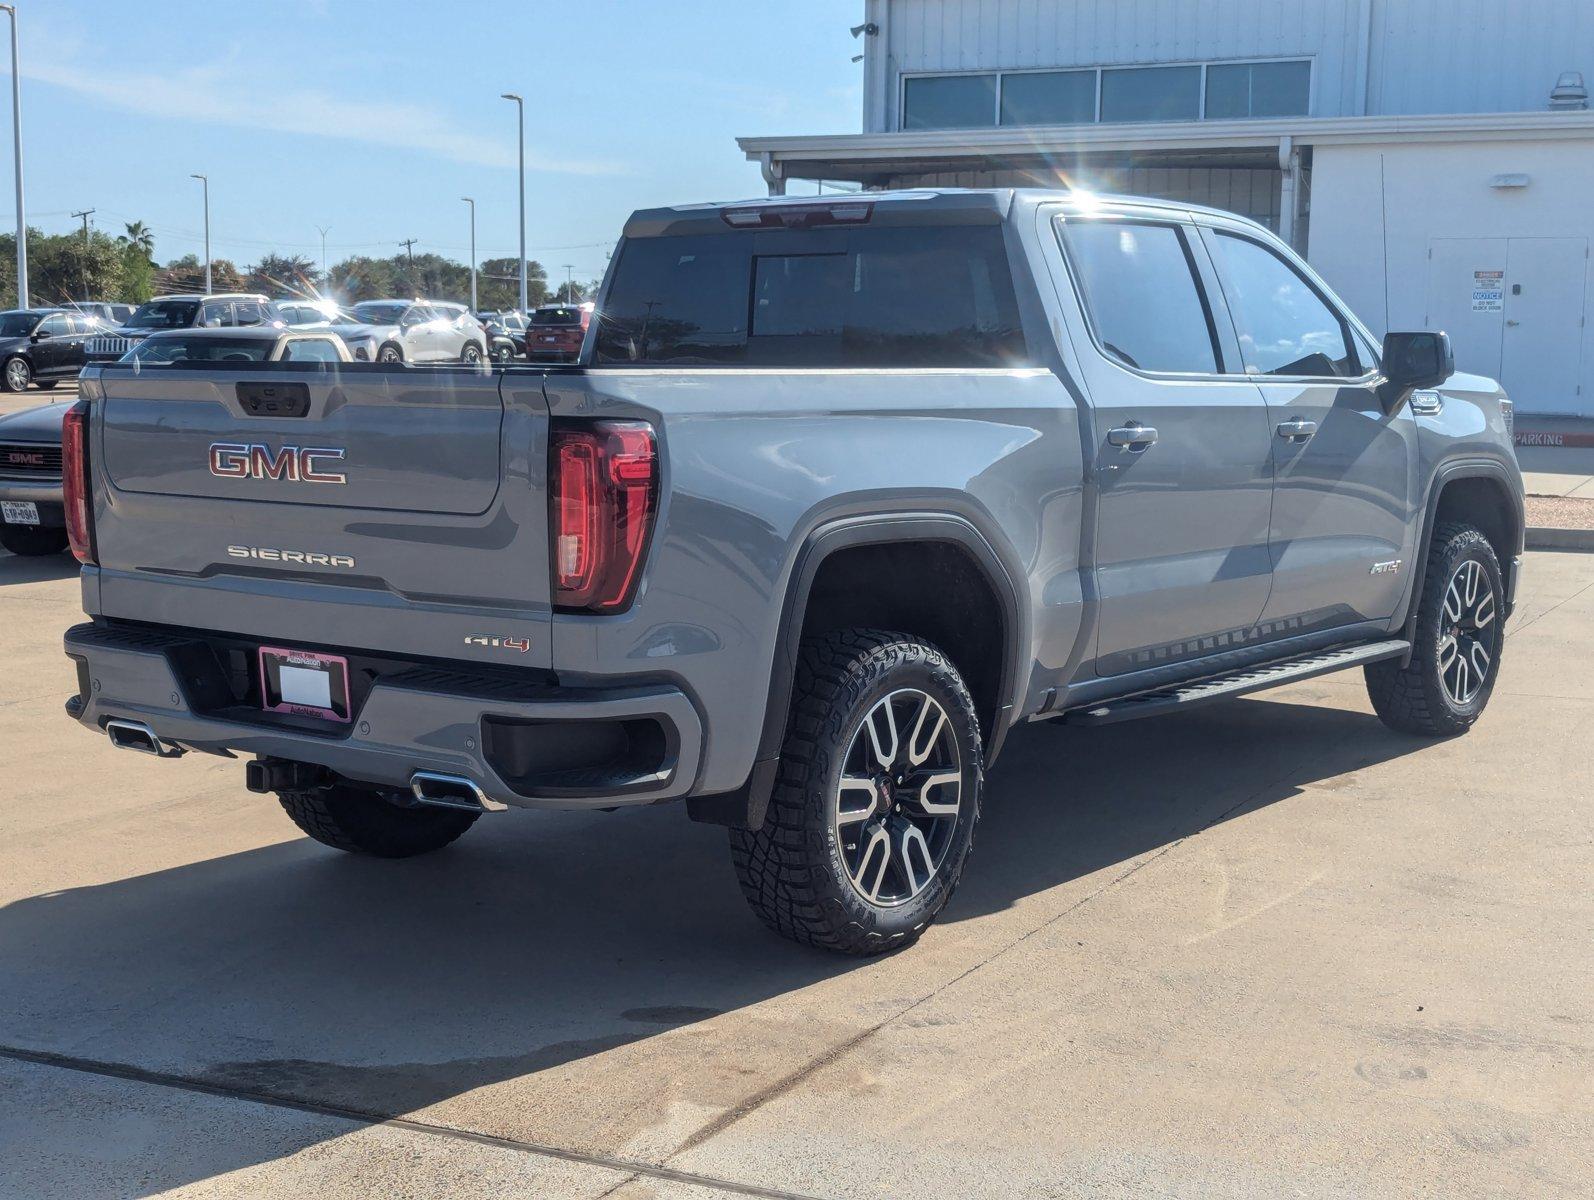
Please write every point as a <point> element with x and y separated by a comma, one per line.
<point>1182,453</point>
<point>1342,531</point>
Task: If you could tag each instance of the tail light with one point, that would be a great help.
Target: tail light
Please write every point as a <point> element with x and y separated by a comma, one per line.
<point>602,499</point>
<point>75,482</point>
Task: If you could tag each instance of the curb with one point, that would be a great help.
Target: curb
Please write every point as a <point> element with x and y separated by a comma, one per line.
<point>1544,537</point>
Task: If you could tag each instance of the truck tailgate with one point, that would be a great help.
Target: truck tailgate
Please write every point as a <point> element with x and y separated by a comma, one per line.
<point>389,510</point>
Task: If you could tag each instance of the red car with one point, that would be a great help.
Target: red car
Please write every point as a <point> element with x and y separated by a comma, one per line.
<point>556,330</point>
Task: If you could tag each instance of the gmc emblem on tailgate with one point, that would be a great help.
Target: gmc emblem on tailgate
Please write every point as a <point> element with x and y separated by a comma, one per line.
<point>240,460</point>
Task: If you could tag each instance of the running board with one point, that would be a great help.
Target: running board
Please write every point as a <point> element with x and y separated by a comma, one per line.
<point>1235,683</point>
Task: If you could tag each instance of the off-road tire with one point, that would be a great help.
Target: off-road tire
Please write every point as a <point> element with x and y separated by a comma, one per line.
<point>30,542</point>
<point>360,821</point>
<point>1413,699</point>
<point>791,869</point>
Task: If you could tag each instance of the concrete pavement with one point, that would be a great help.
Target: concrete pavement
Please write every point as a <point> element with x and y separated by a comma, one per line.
<point>1262,948</point>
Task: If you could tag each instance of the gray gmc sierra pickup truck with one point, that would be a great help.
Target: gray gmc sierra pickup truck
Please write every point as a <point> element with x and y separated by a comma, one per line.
<point>839,491</point>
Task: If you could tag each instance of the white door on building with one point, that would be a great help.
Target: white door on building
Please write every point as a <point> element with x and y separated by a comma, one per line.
<point>1514,310</point>
<point>1541,358</point>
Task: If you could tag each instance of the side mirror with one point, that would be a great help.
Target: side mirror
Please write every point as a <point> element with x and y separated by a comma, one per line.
<point>42,335</point>
<point>1412,361</point>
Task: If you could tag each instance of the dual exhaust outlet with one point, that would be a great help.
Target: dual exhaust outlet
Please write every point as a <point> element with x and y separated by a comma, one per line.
<point>436,789</point>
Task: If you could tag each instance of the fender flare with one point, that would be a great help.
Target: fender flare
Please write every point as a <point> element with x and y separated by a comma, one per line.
<point>1447,473</point>
<point>746,807</point>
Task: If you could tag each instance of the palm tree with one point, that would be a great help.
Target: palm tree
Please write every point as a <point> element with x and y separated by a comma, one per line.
<point>138,234</point>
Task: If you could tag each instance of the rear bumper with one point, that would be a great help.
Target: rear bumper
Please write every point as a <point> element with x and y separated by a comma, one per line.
<point>428,719</point>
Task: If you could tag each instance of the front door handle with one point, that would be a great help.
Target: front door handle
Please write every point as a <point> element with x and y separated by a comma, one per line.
<point>1297,430</point>
<point>1134,437</point>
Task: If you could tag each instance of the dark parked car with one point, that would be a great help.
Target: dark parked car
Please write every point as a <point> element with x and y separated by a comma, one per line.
<point>506,333</point>
<point>32,520</point>
<point>557,331</point>
<point>42,346</point>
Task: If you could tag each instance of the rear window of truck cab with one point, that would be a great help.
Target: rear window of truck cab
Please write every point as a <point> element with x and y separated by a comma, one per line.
<point>922,296</point>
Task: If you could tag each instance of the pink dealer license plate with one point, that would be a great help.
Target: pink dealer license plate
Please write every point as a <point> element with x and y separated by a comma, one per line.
<point>304,682</point>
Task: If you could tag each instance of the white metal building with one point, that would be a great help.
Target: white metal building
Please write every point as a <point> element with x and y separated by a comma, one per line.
<point>1433,158</point>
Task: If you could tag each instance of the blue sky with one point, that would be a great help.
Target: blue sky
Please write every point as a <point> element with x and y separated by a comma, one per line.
<point>373,118</point>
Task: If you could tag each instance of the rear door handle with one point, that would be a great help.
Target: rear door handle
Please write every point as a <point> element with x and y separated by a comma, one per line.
<point>1297,431</point>
<point>1133,437</point>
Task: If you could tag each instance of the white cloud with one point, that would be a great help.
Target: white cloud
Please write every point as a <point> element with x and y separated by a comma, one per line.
<point>212,95</point>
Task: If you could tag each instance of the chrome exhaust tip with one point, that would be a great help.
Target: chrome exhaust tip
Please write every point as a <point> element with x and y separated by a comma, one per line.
<point>451,791</point>
<point>135,735</point>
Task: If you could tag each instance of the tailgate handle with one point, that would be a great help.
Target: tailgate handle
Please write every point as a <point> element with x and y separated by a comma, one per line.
<point>274,399</point>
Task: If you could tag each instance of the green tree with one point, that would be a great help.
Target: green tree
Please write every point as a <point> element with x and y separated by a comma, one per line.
<point>138,275</point>
<point>498,283</point>
<point>139,234</point>
<point>283,275</point>
<point>361,278</point>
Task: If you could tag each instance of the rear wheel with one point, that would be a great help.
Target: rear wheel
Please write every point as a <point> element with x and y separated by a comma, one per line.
<point>391,352</point>
<point>360,821</point>
<point>877,797</point>
<point>32,541</point>
<point>1456,652</point>
<point>16,375</point>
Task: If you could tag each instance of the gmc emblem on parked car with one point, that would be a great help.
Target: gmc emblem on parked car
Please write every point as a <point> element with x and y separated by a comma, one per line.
<point>296,464</point>
<point>19,458</point>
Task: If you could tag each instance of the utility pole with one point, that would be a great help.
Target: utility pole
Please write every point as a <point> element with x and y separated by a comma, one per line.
<point>409,248</point>
<point>570,286</point>
<point>16,137</point>
<point>205,179</point>
<point>323,230</point>
<point>472,204</point>
<point>83,267</point>
<point>520,106</point>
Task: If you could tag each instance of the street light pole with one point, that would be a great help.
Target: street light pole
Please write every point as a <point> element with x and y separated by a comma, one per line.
<point>205,179</point>
<point>324,230</point>
<point>570,284</point>
<point>16,136</point>
<point>520,106</point>
<point>472,204</point>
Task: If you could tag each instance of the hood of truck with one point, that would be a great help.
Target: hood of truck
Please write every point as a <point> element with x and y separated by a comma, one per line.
<point>42,424</point>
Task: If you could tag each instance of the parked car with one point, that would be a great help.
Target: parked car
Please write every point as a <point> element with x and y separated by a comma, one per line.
<point>413,331</point>
<point>32,520</point>
<point>259,344</point>
<point>111,312</point>
<point>42,346</point>
<point>556,331</point>
<point>310,314</point>
<point>982,458</point>
<point>188,311</point>
<point>506,332</point>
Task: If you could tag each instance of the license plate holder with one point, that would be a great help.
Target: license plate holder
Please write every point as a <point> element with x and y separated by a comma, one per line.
<point>19,512</point>
<point>304,683</point>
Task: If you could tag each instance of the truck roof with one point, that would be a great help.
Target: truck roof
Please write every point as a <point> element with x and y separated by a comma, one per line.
<point>937,205</point>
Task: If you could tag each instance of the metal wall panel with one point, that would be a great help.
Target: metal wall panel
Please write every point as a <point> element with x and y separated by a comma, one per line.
<point>969,35</point>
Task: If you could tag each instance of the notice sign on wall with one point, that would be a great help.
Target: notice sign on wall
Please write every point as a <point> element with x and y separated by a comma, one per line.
<point>1488,291</point>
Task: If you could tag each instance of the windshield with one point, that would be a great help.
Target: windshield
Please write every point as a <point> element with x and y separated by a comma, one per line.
<point>379,312</point>
<point>18,324</point>
<point>164,314</point>
<point>556,316</point>
<point>162,351</point>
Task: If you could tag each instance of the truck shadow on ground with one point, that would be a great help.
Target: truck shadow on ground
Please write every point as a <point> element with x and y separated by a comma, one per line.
<point>554,950</point>
<point>15,568</point>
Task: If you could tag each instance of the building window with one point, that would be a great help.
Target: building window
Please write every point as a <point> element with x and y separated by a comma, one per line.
<point>1049,98</point>
<point>948,101</point>
<point>1151,94</point>
<point>1263,89</point>
<point>1174,92</point>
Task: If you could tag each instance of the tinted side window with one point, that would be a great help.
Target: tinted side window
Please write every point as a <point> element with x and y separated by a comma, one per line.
<point>220,311</point>
<point>1285,327</point>
<point>1142,295</point>
<point>54,325</point>
<point>927,296</point>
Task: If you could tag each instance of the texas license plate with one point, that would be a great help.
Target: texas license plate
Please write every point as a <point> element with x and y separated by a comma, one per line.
<point>304,683</point>
<point>19,512</point>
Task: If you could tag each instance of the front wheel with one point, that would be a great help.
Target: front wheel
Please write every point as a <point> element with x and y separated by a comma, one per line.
<point>471,355</point>
<point>390,353</point>
<point>1455,656</point>
<point>877,796</point>
<point>361,821</point>
<point>17,374</point>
